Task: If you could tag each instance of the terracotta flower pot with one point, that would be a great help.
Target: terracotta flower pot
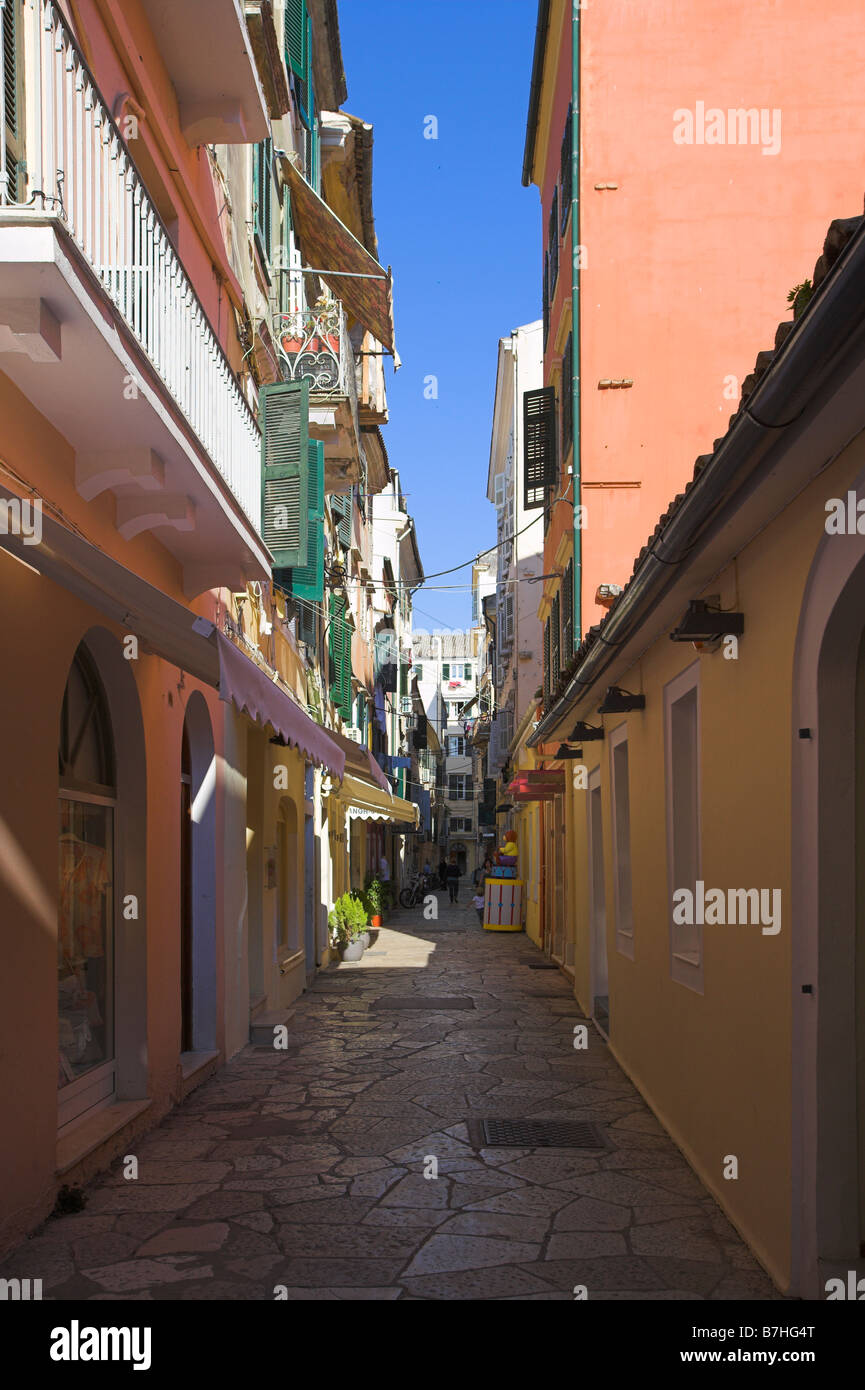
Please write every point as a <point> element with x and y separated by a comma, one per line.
<point>376,919</point>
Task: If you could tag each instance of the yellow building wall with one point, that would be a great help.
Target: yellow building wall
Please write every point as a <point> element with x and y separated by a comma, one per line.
<point>716,1066</point>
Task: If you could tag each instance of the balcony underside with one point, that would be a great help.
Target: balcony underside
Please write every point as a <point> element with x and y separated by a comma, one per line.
<point>207,51</point>
<point>332,420</point>
<point>65,346</point>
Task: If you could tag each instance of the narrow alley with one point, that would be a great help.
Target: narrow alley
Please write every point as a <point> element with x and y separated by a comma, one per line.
<point>307,1172</point>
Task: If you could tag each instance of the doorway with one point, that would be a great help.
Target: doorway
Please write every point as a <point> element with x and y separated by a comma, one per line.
<point>197,880</point>
<point>598,909</point>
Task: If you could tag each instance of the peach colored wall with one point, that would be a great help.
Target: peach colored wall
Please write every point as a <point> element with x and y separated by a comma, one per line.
<point>689,262</point>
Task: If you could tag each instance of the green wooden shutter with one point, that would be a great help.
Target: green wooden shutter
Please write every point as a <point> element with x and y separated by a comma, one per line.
<point>296,37</point>
<point>284,415</point>
<point>307,582</point>
<point>262,195</point>
<point>340,654</point>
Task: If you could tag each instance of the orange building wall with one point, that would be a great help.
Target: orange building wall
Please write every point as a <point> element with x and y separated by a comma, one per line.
<point>688,263</point>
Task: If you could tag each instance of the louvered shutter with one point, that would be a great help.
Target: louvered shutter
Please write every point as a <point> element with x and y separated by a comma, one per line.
<point>555,641</point>
<point>296,37</point>
<point>553,244</point>
<point>567,396</point>
<point>307,581</point>
<point>568,613</point>
<point>546,661</point>
<point>13,135</point>
<point>340,652</point>
<point>284,415</point>
<point>546,297</point>
<point>567,168</point>
<point>539,436</point>
<point>344,526</point>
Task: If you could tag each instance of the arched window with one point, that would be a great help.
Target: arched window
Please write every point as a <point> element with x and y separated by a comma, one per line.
<point>85,935</point>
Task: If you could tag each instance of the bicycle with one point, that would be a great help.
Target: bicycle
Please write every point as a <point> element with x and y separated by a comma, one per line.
<point>413,895</point>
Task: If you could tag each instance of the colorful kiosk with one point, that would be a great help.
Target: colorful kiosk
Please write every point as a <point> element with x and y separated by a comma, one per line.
<point>503,890</point>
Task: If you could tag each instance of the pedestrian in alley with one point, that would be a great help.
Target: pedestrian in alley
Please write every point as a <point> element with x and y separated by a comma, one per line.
<point>453,878</point>
<point>478,905</point>
<point>483,871</point>
<point>443,872</point>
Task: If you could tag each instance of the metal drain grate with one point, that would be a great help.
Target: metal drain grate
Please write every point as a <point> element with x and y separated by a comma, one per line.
<point>540,1134</point>
<point>420,1001</point>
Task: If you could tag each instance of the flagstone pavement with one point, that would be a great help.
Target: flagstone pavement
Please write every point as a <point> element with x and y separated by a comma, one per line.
<point>300,1173</point>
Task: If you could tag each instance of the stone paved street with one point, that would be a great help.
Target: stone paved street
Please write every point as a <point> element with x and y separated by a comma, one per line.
<point>305,1168</point>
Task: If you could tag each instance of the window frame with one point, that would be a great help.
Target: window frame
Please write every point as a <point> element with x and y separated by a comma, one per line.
<point>621,831</point>
<point>686,956</point>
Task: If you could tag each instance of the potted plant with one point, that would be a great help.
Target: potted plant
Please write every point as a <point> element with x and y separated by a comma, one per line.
<point>375,901</point>
<point>361,922</point>
<point>343,920</point>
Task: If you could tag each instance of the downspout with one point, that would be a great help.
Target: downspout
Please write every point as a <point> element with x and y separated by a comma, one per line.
<point>576,467</point>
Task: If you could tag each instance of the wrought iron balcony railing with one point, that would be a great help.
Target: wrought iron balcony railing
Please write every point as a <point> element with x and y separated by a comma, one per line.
<point>314,343</point>
<point>78,169</point>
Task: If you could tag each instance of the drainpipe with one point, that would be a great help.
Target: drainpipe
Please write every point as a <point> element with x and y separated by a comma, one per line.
<point>575,324</point>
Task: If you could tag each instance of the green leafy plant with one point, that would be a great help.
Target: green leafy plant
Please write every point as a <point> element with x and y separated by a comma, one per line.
<point>358,916</point>
<point>799,297</point>
<point>341,918</point>
<point>374,897</point>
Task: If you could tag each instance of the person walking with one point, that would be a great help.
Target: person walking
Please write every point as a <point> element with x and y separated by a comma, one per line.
<point>483,871</point>
<point>453,878</point>
<point>443,872</point>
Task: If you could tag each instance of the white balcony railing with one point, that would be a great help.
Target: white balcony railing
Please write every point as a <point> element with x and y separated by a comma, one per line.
<point>80,170</point>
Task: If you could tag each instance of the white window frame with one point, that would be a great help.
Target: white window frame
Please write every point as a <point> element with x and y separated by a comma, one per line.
<point>686,951</point>
<point>621,838</point>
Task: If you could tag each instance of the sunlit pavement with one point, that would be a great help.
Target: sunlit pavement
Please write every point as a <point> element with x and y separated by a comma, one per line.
<point>300,1173</point>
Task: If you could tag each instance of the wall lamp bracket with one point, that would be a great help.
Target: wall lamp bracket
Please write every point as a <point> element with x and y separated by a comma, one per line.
<point>585,733</point>
<point>704,624</point>
<point>619,701</point>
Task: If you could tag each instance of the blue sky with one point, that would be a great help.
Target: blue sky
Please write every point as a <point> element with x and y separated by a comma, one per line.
<point>463,237</point>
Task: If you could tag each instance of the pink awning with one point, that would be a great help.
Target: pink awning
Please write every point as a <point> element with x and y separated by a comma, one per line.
<point>256,695</point>
<point>359,761</point>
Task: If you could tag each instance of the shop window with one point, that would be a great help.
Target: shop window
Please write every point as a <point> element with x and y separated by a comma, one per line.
<point>85,934</point>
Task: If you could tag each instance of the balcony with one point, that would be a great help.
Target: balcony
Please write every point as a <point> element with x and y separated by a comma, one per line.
<point>315,343</point>
<point>101,329</point>
<point>207,51</point>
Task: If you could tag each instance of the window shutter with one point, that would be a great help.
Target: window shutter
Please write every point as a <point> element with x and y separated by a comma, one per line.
<point>553,243</point>
<point>567,396</point>
<point>340,655</point>
<point>546,661</point>
<point>307,581</point>
<point>262,195</point>
<point>345,523</point>
<point>555,642</point>
<point>12,75</point>
<point>446,671</point>
<point>284,417</point>
<point>296,37</point>
<point>567,592</point>
<point>566,172</point>
<point>539,435</point>
<point>546,297</point>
